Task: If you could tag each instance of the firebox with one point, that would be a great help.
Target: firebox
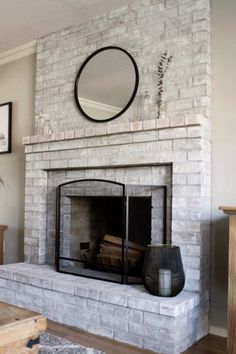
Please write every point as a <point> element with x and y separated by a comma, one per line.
<point>103,228</point>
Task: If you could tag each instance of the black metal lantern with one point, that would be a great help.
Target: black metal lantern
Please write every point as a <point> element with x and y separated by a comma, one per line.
<point>163,273</point>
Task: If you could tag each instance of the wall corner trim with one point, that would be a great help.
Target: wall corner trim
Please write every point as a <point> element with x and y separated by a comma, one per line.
<point>218,331</point>
<point>18,52</point>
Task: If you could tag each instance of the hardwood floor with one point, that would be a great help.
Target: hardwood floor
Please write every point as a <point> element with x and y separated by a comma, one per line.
<point>209,345</point>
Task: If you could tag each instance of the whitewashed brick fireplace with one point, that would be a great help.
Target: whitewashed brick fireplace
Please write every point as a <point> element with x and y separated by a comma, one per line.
<point>131,156</point>
<point>132,149</point>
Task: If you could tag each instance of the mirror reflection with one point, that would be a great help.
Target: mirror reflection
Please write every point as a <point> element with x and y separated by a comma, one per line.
<point>106,84</point>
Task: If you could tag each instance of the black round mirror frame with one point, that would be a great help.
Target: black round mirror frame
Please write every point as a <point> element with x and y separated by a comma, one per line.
<point>132,96</point>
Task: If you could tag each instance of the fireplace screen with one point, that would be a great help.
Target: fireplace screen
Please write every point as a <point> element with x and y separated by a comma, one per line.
<point>103,228</point>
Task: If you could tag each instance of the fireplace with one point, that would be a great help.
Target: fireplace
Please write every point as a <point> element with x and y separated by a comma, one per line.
<point>103,228</point>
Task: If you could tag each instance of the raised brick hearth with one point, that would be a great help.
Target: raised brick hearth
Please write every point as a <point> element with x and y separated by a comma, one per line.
<point>124,313</point>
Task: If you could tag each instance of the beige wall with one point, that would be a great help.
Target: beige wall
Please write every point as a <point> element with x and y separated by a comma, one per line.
<point>17,81</point>
<point>224,147</point>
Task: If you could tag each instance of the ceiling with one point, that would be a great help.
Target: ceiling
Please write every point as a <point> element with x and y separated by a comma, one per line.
<point>22,21</point>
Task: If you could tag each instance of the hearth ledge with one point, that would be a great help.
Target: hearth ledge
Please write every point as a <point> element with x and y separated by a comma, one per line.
<point>125,313</point>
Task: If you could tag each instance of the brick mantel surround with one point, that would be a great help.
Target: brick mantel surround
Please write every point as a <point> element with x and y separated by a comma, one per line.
<point>132,149</point>
<point>82,153</point>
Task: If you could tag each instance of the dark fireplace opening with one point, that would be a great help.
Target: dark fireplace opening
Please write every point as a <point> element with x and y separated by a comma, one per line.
<point>103,228</point>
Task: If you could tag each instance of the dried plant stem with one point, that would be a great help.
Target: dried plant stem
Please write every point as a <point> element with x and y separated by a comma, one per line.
<point>161,71</point>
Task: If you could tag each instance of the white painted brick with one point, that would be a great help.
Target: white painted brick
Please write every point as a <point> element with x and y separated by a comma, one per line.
<point>22,278</point>
<point>124,127</point>
<point>79,133</point>
<point>193,250</point>
<point>195,132</point>
<point>145,136</point>
<point>189,226</point>
<point>147,331</point>
<point>89,131</point>
<point>202,101</point>
<point>193,274</point>
<point>63,286</point>
<point>195,156</point>
<point>113,298</point>
<point>41,283</point>
<point>187,167</point>
<point>112,128</point>
<point>135,126</point>
<point>87,292</point>
<point>193,191</point>
<point>114,322</point>
<point>128,314</point>
<point>144,305</point>
<point>149,124</point>
<point>100,330</point>
<point>173,133</point>
<point>201,14</point>
<point>181,104</point>
<point>194,179</point>
<point>101,130</point>
<point>177,121</point>
<point>193,92</point>
<point>34,139</point>
<point>3,283</point>
<point>187,144</point>
<point>26,140</point>
<point>163,123</point>
<point>159,321</point>
<point>179,179</point>
<point>69,134</point>
<point>127,337</point>
<point>102,307</point>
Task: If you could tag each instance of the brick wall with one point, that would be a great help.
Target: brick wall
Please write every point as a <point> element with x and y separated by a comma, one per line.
<point>145,29</point>
<point>78,146</point>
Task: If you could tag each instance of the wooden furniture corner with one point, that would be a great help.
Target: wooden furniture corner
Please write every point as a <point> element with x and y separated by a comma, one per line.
<point>231,344</point>
<point>20,330</point>
<point>2,229</point>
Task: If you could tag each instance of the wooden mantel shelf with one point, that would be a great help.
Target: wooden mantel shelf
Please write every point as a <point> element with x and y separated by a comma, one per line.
<point>2,229</point>
<point>231,212</point>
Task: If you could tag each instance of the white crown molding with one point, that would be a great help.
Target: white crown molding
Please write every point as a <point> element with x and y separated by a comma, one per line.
<point>18,52</point>
<point>218,331</point>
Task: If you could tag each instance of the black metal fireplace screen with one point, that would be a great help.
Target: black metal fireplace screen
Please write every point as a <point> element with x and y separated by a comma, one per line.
<point>103,228</point>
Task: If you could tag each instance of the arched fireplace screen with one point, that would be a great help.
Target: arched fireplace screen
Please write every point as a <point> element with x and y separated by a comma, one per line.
<point>103,228</point>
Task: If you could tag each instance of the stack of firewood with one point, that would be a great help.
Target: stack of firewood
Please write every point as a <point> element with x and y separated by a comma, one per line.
<point>110,253</point>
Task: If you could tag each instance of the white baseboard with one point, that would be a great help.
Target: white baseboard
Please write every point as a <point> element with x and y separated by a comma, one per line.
<point>218,331</point>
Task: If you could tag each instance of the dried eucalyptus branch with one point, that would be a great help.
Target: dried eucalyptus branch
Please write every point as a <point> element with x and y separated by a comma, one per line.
<point>161,71</point>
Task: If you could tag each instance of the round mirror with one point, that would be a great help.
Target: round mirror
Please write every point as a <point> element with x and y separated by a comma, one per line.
<point>106,84</point>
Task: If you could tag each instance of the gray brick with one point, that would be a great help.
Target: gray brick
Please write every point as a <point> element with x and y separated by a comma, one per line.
<point>113,298</point>
<point>139,303</point>
<point>128,314</point>
<point>114,323</point>
<point>127,337</point>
